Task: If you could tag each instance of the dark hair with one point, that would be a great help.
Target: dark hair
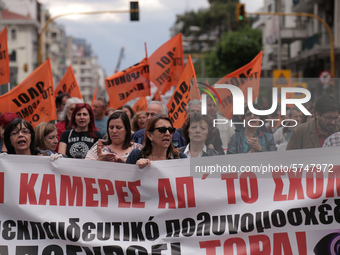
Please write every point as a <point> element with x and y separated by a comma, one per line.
<point>103,101</point>
<point>325,104</point>
<point>129,108</point>
<point>59,98</point>
<point>91,126</point>
<point>147,148</point>
<point>11,126</point>
<point>256,106</point>
<point>125,119</point>
<point>6,118</point>
<point>197,117</point>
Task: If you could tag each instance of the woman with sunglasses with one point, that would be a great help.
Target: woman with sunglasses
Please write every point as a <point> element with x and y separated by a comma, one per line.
<point>157,143</point>
<point>251,138</point>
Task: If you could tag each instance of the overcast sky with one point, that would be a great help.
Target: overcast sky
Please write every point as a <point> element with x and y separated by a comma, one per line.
<point>107,33</point>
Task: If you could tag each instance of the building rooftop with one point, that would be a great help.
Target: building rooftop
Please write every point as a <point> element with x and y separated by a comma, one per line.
<point>8,15</point>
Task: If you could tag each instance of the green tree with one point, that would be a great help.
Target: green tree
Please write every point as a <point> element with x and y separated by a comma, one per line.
<point>233,51</point>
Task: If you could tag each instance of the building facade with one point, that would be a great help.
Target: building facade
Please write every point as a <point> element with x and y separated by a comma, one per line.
<point>84,63</point>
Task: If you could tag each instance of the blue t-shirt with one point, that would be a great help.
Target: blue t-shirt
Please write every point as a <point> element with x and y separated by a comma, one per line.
<point>101,125</point>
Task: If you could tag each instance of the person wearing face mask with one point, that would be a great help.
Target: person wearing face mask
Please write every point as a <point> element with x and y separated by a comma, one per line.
<point>118,145</point>
<point>157,143</point>
<point>76,142</point>
<point>46,138</point>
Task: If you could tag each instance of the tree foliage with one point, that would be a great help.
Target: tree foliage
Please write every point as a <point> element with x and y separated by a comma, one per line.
<point>234,51</point>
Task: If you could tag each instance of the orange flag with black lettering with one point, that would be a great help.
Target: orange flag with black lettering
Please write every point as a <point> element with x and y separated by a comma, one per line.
<point>181,96</point>
<point>68,84</point>
<point>166,64</point>
<point>4,59</point>
<point>244,77</point>
<point>33,99</point>
<point>140,105</point>
<point>128,84</point>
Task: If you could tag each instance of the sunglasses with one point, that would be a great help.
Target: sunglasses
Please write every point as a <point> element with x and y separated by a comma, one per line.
<point>164,129</point>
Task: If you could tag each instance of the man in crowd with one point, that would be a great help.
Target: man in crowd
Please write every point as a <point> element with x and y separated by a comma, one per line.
<point>226,130</point>
<point>100,119</point>
<point>60,102</point>
<point>313,133</point>
<point>155,109</point>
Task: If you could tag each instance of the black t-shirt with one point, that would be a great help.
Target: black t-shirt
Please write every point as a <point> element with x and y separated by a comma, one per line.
<point>78,144</point>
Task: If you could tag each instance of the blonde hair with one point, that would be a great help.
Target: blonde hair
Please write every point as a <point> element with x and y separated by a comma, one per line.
<point>134,121</point>
<point>41,130</point>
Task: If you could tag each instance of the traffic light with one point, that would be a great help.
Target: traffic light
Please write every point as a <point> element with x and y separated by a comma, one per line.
<point>134,11</point>
<point>240,12</point>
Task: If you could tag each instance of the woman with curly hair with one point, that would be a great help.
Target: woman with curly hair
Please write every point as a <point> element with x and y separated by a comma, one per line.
<point>198,130</point>
<point>138,121</point>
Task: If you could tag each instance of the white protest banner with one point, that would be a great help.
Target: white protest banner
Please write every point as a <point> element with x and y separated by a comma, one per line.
<point>70,206</point>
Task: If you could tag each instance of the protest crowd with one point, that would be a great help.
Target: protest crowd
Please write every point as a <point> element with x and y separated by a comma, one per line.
<point>77,203</point>
<point>112,130</point>
<point>87,133</point>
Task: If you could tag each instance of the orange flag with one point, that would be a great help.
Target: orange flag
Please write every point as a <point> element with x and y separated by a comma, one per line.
<point>33,99</point>
<point>157,96</point>
<point>4,59</point>
<point>94,96</point>
<point>128,84</point>
<point>68,84</point>
<point>166,64</point>
<point>140,105</point>
<point>181,96</point>
<point>244,77</point>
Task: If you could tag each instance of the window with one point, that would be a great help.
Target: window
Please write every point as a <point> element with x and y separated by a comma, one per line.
<point>13,56</point>
<point>13,34</point>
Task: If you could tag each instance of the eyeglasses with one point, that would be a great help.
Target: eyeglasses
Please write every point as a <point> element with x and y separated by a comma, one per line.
<point>164,129</point>
<point>152,114</point>
<point>23,131</point>
<point>330,118</point>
